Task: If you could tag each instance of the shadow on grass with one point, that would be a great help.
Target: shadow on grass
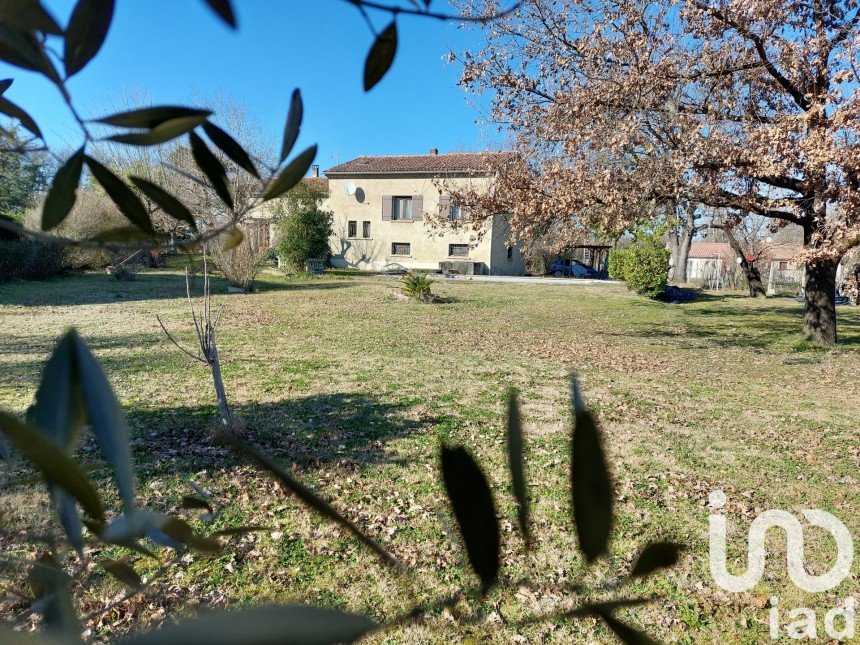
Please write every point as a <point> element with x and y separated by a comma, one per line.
<point>737,321</point>
<point>99,288</point>
<point>305,431</point>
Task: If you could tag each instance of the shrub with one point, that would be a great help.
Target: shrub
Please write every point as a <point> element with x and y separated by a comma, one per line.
<point>417,286</point>
<point>303,228</point>
<point>93,213</point>
<point>241,264</point>
<point>617,259</point>
<point>646,267</point>
<point>29,260</point>
<point>124,273</point>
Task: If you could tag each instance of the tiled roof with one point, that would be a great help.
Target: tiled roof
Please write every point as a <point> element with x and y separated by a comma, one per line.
<point>783,251</point>
<point>320,183</point>
<point>711,250</point>
<point>455,162</point>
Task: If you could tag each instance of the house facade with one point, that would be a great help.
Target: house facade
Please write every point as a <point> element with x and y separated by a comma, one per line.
<point>775,261</point>
<point>387,213</point>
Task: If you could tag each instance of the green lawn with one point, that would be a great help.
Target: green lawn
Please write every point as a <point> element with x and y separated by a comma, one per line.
<point>356,390</point>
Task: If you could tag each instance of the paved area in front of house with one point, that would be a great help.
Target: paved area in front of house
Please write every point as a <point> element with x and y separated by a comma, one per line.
<point>520,279</point>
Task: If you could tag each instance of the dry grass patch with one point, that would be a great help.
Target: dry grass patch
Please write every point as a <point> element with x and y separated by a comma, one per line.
<point>355,392</point>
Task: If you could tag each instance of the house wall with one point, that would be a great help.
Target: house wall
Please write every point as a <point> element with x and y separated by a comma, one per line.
<point>429,244</point>
<point>703,268</point>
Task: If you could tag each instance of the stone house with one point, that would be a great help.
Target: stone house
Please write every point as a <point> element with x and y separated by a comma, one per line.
<point>383,207</point>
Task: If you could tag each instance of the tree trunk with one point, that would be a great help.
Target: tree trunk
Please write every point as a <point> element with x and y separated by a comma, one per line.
<point>819,316</point>
<point>753,276</point>
<point>751,272</point>
<point>683,253</point>
<point>223,407</point>
<point>680,240</point>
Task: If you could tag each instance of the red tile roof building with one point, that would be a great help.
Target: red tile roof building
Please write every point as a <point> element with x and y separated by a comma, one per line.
<point>480,163</point>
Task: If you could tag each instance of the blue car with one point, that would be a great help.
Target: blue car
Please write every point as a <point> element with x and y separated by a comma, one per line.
<point>567,268</point>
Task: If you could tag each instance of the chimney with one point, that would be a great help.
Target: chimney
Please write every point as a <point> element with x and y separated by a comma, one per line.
<point>434,151</point>
<point>315,171</point>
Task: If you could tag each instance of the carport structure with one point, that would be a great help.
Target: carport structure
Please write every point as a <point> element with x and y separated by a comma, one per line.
<point>593,255</point>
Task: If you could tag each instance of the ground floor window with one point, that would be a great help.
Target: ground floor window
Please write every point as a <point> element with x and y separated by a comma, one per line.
<point>510,253</point>
<point>401,248</point>
<point>351,228</point>
<point>458,250</point>
<point>365,229</point>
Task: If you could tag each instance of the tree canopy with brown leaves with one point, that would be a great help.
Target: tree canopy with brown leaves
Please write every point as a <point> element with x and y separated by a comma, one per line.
<point>622,107</point>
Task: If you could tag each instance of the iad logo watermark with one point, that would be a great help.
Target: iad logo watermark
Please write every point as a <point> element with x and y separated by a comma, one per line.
<point>804,620</point>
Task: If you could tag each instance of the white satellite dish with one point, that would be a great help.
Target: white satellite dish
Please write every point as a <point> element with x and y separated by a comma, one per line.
<point>350,188</point>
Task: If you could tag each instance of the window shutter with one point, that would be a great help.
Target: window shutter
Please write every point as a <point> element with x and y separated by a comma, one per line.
<point>386,208</point>
<point>417,208</point>
<point>445,206</point>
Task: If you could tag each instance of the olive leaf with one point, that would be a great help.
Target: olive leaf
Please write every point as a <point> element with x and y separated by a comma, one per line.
<point>293,124</point>
<point>167,202</point>
<point>381,56</point>
<point>62,194</point>
<point>14,111</point>
<point>224,10</point>
<point>230,147</point>
<point>58,412</point>
<point>291,175</point>
<point>20,47</point>
<point>151,117</point>
<point>52,463</point>
<point>87,30</point>
<point>182,531</point>
<point>233,239</point>
<point>106,419</point>
<point>121,195</point>
<point>211,167</point>
<point>161,133</point>
<point>50,585</point>
<point>29,16</point>
<point>590,482</point>
<point>472,503</point>
<point>126,234</point>
<point>5,84</point>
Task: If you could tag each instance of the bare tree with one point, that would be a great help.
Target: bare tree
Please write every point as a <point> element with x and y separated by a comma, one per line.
<point>205,326</point>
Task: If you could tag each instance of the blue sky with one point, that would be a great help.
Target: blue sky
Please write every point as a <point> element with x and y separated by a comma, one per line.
<point>175,50</point>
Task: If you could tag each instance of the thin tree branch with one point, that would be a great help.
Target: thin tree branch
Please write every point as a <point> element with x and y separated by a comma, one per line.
<point>173,340</point>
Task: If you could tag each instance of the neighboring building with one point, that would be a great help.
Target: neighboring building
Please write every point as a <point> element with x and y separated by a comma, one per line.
<point>382,207</point>
<point>706,257</point>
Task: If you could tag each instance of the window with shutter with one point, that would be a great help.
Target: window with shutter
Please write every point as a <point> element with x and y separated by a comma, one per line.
<point>417,208</point>
<point>401,208</point>
<point>445,206</point>
<point>387,207</point>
